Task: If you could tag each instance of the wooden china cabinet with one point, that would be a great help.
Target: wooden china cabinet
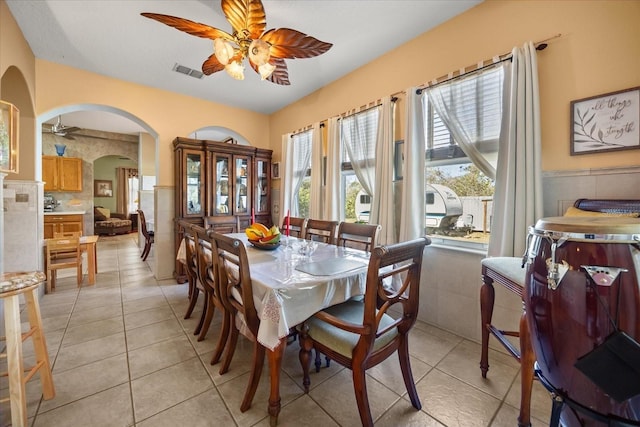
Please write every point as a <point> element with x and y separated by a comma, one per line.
<point>222,180</point>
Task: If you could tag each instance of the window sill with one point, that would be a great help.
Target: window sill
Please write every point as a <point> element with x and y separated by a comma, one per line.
<point>458,245</point>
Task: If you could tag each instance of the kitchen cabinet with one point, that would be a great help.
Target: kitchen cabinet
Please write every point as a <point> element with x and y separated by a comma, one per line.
<point>56,222</point>
<point>62,173</point>
<point>223,180</point>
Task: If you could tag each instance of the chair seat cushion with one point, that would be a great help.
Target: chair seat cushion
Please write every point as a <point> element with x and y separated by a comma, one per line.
<point>342,341</point>
<point>509,267</point>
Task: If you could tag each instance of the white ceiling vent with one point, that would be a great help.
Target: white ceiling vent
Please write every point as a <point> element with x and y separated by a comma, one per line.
<point>188,71</point>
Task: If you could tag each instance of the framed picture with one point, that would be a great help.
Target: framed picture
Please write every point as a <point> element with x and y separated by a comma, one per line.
<point>398,160</point>
<point>608,122</point>
<point>8,137</point>
<point>102,188</point>
<point>275,170</point>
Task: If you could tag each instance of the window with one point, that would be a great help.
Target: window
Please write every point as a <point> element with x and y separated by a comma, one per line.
<point>458,194</point>
<point>301,173</point>
<point>358,135</point>
<point>133,194</point>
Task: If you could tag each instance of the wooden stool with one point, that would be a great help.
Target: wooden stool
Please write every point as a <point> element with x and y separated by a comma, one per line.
<point>11,286</point>
<point>508,272</point>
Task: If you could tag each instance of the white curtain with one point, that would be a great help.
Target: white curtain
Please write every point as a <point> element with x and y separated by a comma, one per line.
<point>286,173</point>
<point>333,195</point>
<point>297,163</point>
<point>452,100</point>
<point>359,138</point>
<point>382,205</point>
<point>317,185</point>
<point>517,201</point>
<point>412,209</point>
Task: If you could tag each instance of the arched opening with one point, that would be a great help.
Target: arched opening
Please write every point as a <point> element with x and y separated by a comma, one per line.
<point>87,145</point>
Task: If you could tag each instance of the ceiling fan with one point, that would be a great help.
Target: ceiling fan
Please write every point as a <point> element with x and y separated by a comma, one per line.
<point>59,129</point>
<point>266,50</point>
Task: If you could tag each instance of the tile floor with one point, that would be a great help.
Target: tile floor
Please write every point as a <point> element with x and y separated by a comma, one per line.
<point>123,355</point>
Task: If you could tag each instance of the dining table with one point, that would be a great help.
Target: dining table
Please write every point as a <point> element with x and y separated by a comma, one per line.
<point>290,284</point>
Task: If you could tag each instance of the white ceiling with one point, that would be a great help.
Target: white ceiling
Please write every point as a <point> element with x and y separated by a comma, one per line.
<point>109,37</point>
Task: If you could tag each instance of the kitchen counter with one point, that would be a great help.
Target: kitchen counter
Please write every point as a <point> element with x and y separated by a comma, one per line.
<point>66,213</point>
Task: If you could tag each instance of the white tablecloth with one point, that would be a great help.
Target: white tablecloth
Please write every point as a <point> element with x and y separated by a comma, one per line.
<point>284,297</point>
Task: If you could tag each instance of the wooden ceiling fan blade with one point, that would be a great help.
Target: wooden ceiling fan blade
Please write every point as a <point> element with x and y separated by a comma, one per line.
<point>211,65</point>
<point>280,75</point>
<point>288,43</point>
<point>245,15</point>
<point>190,27</point>
<point>70,129</point>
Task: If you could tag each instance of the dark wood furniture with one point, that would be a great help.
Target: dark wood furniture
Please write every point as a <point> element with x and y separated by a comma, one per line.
<point>222,224</point>
<point>321,230</point>
<point>360,334</point>
<point>207,272</point>
<point>296,226</point>
<point>147,234</point>
<point>236,292</point>
<point>509,272</point>
<point>223,181</point>
<point>359,236</point>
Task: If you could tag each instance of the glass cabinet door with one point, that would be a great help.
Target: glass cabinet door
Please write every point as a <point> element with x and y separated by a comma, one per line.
<point>222,185</point>
<point>195,180</point>
<point>262,186</point>
<point>242,187</point>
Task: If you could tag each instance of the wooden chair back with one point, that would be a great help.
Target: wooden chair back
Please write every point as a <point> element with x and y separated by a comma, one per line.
<point>60,234</point>
<point>236,293</point>
<point>62,253</point>
<point>321,230</point>
<point>297,226</point>
<point>148,235</point>
<point>358,236</point>
<point>143,224</point>
<point>222,224</point>
<point>190,252</point>
<point>382,321</point>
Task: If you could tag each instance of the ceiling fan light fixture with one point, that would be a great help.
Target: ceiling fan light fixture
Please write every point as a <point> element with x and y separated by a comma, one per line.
<point>223,50</point>
<point>266,70</point>
<point>235,70</point>
<point>259,52</point>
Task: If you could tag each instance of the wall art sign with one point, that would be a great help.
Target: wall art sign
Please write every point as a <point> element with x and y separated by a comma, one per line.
<point>102,188</point>
<point>608,122</point>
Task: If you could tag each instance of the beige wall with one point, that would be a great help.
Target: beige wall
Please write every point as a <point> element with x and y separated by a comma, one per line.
<point>598,52</point>
<point>167,113</point>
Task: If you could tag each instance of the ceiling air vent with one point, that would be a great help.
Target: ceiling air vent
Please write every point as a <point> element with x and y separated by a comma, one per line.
<point>188,71</point>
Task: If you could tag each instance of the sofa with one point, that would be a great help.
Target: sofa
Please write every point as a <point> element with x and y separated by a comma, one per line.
<point>110,223</point>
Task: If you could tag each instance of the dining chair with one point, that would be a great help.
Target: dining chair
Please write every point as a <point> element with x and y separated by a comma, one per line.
<point>321,230</point>
<point>62,253</point>
<point>191,268</point>
<point>207,272</point>
<point>222,224</point>
<point>237,296</point>
<point>148,235</point>
<point>358,236</point>
<point>359,334</point>
<point>68,234</point>
<point>59,234</point>
<point>296,226</point>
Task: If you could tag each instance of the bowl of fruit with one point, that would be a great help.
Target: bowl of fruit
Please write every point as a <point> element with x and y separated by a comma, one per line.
<point>262,237</point>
